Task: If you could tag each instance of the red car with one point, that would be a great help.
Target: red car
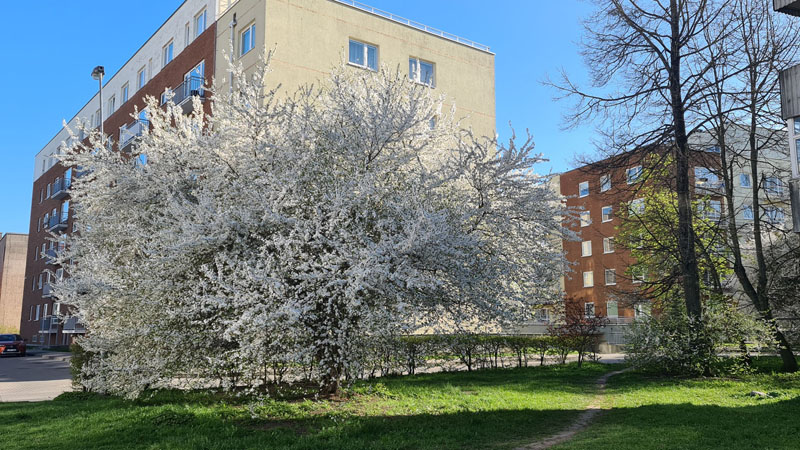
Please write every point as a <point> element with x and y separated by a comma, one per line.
<point>12,344</point>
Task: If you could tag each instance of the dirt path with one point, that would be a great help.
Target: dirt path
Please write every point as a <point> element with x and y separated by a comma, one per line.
<point>582,422</point>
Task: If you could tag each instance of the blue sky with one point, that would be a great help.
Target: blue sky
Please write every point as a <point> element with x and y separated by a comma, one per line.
<point>49,77</point>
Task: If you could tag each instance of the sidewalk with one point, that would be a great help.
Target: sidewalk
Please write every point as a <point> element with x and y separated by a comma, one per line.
<point>36,377</point>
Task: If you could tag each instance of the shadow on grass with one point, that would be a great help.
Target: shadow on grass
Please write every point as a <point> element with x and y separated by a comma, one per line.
<point>771,425</point>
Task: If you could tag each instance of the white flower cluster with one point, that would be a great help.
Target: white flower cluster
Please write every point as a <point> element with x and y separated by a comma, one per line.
<point>284,230</point>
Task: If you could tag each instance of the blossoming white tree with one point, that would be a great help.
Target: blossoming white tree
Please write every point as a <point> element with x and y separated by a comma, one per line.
<point>287,229</point>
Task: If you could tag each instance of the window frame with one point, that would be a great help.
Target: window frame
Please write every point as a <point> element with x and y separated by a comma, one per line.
<point>365,47</point>
<point>608,245</point>
<point>197,29</point>
<point>584,253</point>
<point>613,273</point>
<point>605,183</point>
<point>610,213</point>
<point>252,40</point>
<point>630,170</point>
<point>588,220</point>
<point>581,190</point>
<point>141,78</point>
<point>167,53</point>
<point>745,176</point>
<point>587,306</point>
<point>124,92</point>
<point>590,274</point>
<point>415,75</point>
<point>747,212</point>
<point>608,309</point>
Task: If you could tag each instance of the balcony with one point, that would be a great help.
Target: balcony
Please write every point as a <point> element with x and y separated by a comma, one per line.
<point>186,91</point>
<point>49,324</point>
<point>791,7</point>
<point>72,326</point>
<point>57,223</point>
<point>128,133</point>
<point>47,290</point>
<point>60,188</point>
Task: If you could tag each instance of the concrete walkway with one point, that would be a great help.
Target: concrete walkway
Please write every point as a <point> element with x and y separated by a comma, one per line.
<point>34,378</point>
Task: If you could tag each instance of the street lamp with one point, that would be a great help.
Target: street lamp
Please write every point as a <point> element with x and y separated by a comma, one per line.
<point>97,74</point>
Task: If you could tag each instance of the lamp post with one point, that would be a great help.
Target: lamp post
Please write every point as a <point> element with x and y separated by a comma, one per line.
<point>97,74</point>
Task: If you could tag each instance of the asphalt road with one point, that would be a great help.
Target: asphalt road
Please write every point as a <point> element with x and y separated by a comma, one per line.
<point>34,378</point>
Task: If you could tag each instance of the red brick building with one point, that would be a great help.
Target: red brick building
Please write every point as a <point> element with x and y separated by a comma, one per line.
<point>44,320</point>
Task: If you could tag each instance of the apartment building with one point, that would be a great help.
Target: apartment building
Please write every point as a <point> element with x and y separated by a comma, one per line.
<point>790,112</point>
<point>195,46</point>
<point>13,248</point>
<point>598,274</point>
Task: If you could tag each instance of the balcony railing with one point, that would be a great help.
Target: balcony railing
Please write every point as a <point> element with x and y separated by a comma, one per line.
<point>57,223</point>
<point>49,324</point>
<point>417,25</point>
<point>73,326</point>
<point>191,87</point>
<point>60,188</point>
<point>128,133</point>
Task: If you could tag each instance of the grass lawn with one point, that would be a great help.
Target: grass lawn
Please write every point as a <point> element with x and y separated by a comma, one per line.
<point>652,412</point>
<point>484,409</point>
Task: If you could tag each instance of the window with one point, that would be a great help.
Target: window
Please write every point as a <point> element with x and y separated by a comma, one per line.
<point>422,72</point>
<point>30,317</point>
<point>199,23</point>
<point>187,35</point>
<point>166,95</point>
<point>612,310</point>
<point>141,78</point>
<point>248,39</point>
<point>588,309</point>
<point>607,214</point>
<point>166,54</point>
<point>774,215</point>
<point>49,190</point>
<point>583,189</point>
<point>744,180</point>
<point>633,174</point>
<point>773,186</point>
<point>747,212</point>
<point>541,315</point>
<point>44,250</point>
<point>38,311</point>
<point>99,118</point>
<point>636,206</point>
<point>65,211</point>
<point>713,149</point>
<point>586,248</point>
<point>704,178</point>
<point>637,275</point>
<point>608,245</point>
<point>112,105</point>
<point>611,277</point>
<point>588,279</point>
<point>38,224</point>
<point>124,93</point>
<point>586,219</point>
<point>41,278</point>
<point>44,310</point>
<point>41,195</point>
<point>605,183</point>
<point>711,210</point>
<point>363,55</point>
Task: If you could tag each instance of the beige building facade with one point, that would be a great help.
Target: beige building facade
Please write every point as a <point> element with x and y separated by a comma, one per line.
<point>311,38</point>
<point>13,249</point>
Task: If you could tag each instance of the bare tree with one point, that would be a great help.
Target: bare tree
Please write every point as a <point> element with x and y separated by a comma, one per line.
<point>648,77</point>
<point>743,120</point>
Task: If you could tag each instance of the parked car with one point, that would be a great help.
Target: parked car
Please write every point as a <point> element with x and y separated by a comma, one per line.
<point>12,344</point>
